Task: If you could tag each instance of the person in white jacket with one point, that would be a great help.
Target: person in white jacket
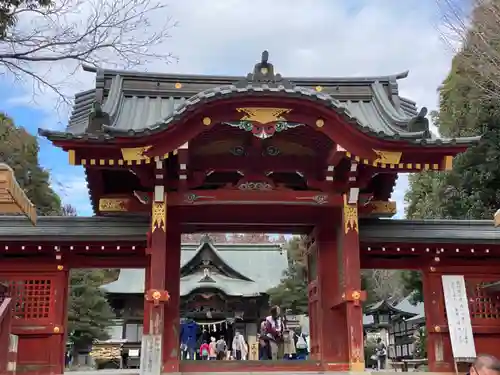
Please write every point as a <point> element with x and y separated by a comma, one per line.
<point>239,347</point>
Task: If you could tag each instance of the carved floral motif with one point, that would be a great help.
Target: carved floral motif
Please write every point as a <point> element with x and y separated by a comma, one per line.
<point>113,205</point>
<point>158,216</point>
<point>350,216</point>
<point>258,185</point>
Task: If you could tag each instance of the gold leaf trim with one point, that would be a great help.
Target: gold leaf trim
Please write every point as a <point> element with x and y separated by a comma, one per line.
<point>158,216</point>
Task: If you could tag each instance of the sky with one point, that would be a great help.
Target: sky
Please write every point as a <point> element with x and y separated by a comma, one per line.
<point>322,38</point>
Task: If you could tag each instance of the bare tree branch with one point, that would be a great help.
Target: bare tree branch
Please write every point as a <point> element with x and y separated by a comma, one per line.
<point>473,29</point>
<point>112,33</point>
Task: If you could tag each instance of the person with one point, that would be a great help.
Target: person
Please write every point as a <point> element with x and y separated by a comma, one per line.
<point>301,346</point>
<point>263,346</point>
<point>204,351</point>
<point>238,346</point>
<point>381,352</point>
<point>220,348</point>
<point>212,352</point>
<point>485,364</point>
<point>274,331</point>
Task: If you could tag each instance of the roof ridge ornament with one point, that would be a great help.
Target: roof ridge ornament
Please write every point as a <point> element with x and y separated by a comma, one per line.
<point>206,239</point>
<point>263,73</point>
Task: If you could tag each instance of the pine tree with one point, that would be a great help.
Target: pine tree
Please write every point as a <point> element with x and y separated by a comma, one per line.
<point>89,313</point>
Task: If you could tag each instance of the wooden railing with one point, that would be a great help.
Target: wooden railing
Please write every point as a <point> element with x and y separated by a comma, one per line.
<point>5,325</point>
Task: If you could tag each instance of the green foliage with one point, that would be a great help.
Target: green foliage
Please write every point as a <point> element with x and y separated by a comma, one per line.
<point>9,9</point>
<point>19,150</point>
<point>412,281</point>
<point>89,313</point>
<point>472,189</point>
<point>420,343</point>
<point>291,293</point>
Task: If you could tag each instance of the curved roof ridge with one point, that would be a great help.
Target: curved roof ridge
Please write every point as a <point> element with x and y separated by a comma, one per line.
<point>235,78</point>
<point>114,98</point>
<point>217,254</point>
<point>389,109</point>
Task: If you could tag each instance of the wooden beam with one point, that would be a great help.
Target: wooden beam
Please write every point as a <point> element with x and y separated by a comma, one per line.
<point>378,209</point>
<point>259,163</point>
<point>12,197</point>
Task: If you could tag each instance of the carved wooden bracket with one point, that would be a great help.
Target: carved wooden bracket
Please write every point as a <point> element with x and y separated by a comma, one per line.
<point>157,297</point>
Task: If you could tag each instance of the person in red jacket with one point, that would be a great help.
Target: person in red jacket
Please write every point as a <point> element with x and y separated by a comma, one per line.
<point>204,351</point>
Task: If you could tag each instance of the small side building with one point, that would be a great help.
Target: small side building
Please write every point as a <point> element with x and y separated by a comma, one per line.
<point>396,323</point>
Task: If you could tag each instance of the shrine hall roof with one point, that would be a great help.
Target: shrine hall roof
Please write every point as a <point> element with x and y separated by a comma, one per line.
<point>109,229</point>
<point>261,267</point>
<point>133,104</point>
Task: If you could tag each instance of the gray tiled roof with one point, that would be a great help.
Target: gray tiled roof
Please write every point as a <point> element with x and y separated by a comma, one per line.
<point>119,228</point>
<point>136,107</point>
<point>263,264</point>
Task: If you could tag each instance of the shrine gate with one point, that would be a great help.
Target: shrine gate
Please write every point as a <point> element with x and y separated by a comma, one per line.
<point>172,154</point>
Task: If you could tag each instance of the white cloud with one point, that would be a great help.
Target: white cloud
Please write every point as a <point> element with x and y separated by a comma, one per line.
<point>304,38</point>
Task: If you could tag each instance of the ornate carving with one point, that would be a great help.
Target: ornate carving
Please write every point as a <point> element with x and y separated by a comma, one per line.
<point>319,199</point>
<point>113,204</point>
<point>387,157</point>
<point>263,72</point>
<point>158,216</point>
<point>192,198</point>
<point>135,154</point>
<point>272,151</point>
<point>263,115</point>
<point>263,122</point>
<point>257,185</point>
<point>382,208</point>
<point>350,216</point>
<point>237,151</point>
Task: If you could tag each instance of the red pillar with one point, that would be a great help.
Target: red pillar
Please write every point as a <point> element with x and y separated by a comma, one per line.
<point>163,292</point>
<point>340,323</point>
<point>439,355</point>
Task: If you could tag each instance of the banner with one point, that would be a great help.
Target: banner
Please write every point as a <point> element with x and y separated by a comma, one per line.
<point>459,322</point>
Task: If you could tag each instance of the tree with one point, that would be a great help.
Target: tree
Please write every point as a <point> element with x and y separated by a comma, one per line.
<point>381,284</point>
<point>39,33</point>
<point>412,281</point>
<point>19,150</point>
<point>89,313</point>
<point>466,107</point>
<point>8,15</point>
<point>475,25</point>
<point>291,293</point>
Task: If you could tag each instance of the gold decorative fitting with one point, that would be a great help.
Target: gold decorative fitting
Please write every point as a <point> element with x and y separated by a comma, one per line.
<point>207,121</point>
<point>350,216</point>
<point>156,295</point>
<point>113,204</point>
<point>135,154</point>
<point>320,123</point>
<point>448,163</point>
<point>318,88</point>
<point>263,115</point>
<point>178,85</point>
<point>387,157</point>
<point>56,329</point>
<point>382,208</point>
<point>432,269</point>
<point>158,216</point>
<point>437,329</point>
<point>60,267</point>
<point>356,295</point>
